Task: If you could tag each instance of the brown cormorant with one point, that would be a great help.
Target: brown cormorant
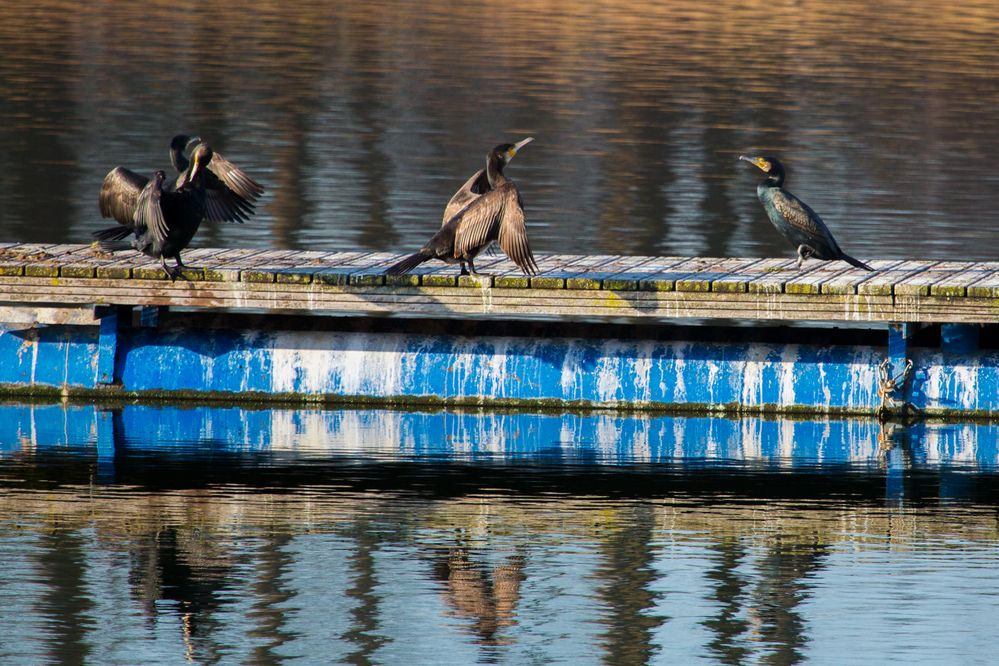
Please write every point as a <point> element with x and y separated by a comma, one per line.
<point>163,220</point>
<point>798,223</point>
<point>230,194</point>
<point>497,214</point>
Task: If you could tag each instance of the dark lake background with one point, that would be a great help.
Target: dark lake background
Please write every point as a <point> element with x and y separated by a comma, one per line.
<point>177,534</point>
<point>361,118</point>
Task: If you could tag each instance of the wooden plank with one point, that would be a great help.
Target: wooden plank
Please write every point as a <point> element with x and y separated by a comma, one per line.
<point>883,282</point>
<point>575,269</point>
<point>738,280</point>
<point>661,273</point>
<point>811,282</point>
<point>919,283</point>
<point>773,282</point>
<point>986,287</point>
<point>849,281</point>
<point>956,284</point>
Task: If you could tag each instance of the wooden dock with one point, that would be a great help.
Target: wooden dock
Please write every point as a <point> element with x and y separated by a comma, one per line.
<point>75,320</point>
<point>568,286</point>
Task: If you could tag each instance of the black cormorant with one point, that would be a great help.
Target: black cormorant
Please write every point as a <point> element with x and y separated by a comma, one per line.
<point>162,219</point>
<point>497,214</point>
<point>798,223</point>
<point>230,195</point>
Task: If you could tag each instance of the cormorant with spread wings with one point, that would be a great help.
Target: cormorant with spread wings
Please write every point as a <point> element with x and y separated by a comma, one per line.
<point>494,215</point>
<point>162,219</point>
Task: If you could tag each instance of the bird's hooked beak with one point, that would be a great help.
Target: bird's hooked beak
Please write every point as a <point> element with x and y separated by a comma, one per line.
<point>192,142</point>
<point>192,170</point>
<point>516,148</point>
<point>759,162</point>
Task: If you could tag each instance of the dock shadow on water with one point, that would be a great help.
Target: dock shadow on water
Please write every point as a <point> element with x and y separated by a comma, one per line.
<point>232,535</point>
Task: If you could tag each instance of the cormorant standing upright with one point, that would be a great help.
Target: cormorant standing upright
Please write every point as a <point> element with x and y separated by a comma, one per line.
<point>798,223</point>
<point>496,215</point>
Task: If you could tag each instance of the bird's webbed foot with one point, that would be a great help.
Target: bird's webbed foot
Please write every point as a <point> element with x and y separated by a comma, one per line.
<point>174,272</point>
<point>473,272</point>
<point>464,269</point>
<point>804,252</point>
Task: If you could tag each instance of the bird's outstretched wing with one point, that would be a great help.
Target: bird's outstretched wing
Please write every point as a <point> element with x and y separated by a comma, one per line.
<point>473,188</point>
<point>513,232</point>
<point>804,219</point>
<point>496,215</point>
<point>229,193</point>
<point>234,179</point>
<point>120,194</point>
<point>149,212</point>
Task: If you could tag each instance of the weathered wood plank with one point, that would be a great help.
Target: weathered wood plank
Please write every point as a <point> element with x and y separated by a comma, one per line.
<point>849,281</point>
<point>883,282</point>
<point>919,284</point>
<point>956,284</point>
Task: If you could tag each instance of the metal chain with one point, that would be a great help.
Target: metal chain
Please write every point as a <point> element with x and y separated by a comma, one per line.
<point>888,385</point>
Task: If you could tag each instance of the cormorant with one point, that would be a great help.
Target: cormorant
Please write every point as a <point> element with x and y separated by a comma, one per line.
<point>798,223</point>
<point>162,219</point>
<point>230,193</point>
<point>494,215</point>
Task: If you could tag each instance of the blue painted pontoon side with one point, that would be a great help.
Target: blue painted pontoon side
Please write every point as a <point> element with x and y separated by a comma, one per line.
<point>498,370</point>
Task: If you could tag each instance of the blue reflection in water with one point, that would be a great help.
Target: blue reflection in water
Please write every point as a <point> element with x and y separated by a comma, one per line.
<point>602,438</point>
<point>232,535</point>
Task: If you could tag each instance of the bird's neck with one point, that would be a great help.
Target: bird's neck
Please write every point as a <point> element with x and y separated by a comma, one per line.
<point>773,180</point>
<point>178,160</point>
<point>494,173</point>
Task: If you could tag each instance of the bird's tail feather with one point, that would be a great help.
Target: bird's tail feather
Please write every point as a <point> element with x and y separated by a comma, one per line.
<point>409,263</point>
<point>856,262</point>
<point>112,239</point>
<point>115,233</point>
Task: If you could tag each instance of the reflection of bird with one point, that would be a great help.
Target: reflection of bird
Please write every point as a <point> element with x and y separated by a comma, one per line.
<point>794,219</point>
<point>230,193</point>
<point>163,220</point>
<point>496,214</point>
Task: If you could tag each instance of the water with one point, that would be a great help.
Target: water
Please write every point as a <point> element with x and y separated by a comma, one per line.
<point>154,534</point>
<point>361,118</point>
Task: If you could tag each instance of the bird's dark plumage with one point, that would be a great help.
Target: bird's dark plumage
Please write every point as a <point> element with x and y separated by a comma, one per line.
<point>792,217</point>
<point>162,220</point>
<point>475,186</point>
<point>230,194</point>
<point>495,215</point>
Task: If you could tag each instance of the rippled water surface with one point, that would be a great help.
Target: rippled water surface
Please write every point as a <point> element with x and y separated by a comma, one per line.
<point>361,118</point>
<point>144,534</point>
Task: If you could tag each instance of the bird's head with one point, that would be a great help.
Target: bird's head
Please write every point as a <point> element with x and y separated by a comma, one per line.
<point>200,158</point>
<point>179,142</point>
<point>505,152</point>
<point>768,165</point>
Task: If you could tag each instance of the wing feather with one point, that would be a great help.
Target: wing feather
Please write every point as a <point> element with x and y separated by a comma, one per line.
<point>235,179</point>
<point>801,217</point>
<point>120,194</point>
<point>513,231</point>
<point>473,188</point>
<point>478,223</point>
<point>148,210</point>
